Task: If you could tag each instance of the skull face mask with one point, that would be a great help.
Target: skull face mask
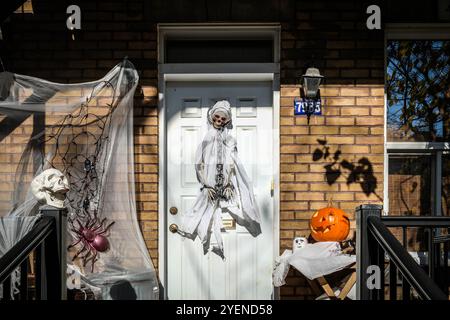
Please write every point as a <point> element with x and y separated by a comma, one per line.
<point>220,119</point>
<point>299,242</point>
<point>219,116</point>
<point>50,187</point>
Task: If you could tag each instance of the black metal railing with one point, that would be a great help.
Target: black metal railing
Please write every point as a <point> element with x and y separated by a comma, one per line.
<point>377,246</point>
<point>45,239</point>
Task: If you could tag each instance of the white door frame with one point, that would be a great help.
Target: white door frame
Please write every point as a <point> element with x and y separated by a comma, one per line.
<point>215,72</point>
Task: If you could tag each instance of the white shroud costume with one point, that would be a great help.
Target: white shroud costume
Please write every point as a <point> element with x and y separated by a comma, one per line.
<point>225,185</point>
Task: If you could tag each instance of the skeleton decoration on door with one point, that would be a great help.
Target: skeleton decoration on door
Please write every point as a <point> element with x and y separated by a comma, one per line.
<point>225,186</point>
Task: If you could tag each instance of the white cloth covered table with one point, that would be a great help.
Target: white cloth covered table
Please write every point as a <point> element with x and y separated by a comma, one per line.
<point>313,261</point>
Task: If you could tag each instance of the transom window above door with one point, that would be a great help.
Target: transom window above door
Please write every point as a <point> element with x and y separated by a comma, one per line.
<point>217,43</point>
<point>417,121</point>
<point>219,51</point>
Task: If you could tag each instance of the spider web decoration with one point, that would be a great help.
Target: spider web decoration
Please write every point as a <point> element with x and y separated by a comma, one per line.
<point>80,141</point>
<point>84,130</point>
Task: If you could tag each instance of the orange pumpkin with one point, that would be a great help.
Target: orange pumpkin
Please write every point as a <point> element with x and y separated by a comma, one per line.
<point>329,224</point>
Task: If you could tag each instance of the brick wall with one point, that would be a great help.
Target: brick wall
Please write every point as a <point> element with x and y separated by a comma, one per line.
<point>352,126</point>
<point>335,40</point>
<point>331,35</point>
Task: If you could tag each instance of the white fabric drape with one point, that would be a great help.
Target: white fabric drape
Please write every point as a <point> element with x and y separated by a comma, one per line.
<point>313,260</point>
<point>12,230</point>
<point>205,217</point>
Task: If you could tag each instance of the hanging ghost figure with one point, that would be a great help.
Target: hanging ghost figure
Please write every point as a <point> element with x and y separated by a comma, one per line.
<point>225,186</point>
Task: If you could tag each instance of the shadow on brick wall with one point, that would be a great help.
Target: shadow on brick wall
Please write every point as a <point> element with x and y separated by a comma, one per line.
<point>358,172</point>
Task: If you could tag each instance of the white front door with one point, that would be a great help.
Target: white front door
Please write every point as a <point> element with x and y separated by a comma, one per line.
<point>246,273</point>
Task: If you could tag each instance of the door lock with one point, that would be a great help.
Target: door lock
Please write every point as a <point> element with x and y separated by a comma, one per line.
<point>173,228</point>
<point>173,210</point>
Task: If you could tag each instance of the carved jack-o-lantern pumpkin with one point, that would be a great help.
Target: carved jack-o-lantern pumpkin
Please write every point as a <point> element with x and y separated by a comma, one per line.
<point>329,224</point>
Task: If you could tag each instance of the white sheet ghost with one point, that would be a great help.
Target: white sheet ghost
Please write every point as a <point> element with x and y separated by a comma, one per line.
<point>225,186</point>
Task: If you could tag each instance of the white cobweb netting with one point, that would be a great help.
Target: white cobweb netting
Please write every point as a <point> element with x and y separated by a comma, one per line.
<point>85,130</point>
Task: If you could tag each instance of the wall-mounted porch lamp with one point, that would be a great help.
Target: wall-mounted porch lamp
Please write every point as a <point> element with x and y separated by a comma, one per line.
<point>311,82</point>
<point>310,102</point>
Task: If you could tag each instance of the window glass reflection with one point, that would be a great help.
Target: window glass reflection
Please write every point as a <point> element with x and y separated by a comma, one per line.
<point>410,185</point>
<point>418,90</point>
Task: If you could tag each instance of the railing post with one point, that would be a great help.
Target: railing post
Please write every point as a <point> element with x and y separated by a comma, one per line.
<point>365,249</point>
<point>40,280</point>
<point>55,254</point>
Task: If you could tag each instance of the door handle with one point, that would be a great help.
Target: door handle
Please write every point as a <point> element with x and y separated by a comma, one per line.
<point>173,228</point>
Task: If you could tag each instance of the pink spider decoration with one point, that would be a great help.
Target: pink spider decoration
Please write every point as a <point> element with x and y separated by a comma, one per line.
<point>91,235</point>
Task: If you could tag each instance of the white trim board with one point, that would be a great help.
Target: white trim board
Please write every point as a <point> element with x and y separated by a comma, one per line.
<point>223,69</point>
<point>393,147</point>
<point>213,76</point>
<point>215,72</point>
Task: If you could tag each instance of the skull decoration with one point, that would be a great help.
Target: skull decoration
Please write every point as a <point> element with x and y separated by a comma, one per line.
<point>219,116</point>
<point>50,187</point>
<point>220,119</point>
<point>298,243</point>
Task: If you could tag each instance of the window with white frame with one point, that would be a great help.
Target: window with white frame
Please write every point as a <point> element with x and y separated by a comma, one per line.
<point>418,123</point>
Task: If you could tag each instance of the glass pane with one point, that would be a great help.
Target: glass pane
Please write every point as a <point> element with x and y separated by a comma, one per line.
<point>418,90</point>
<point>218,51</point>
<point>410,185</point>
<point>446,184</point>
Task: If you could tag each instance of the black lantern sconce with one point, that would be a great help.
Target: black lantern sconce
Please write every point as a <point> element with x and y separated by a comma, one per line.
<point>310,102</point>
<point>311,82</point>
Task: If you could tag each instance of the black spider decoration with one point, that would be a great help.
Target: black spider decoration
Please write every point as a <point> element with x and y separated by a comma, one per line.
<point>92,235</point>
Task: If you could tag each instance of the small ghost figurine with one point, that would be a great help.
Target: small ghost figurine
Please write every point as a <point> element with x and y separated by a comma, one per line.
<point>225,187</point>
<point>298,243</point>
<point>50,187</point>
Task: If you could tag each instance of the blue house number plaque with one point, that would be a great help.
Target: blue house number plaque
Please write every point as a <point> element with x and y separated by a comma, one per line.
<point>302,105</point>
